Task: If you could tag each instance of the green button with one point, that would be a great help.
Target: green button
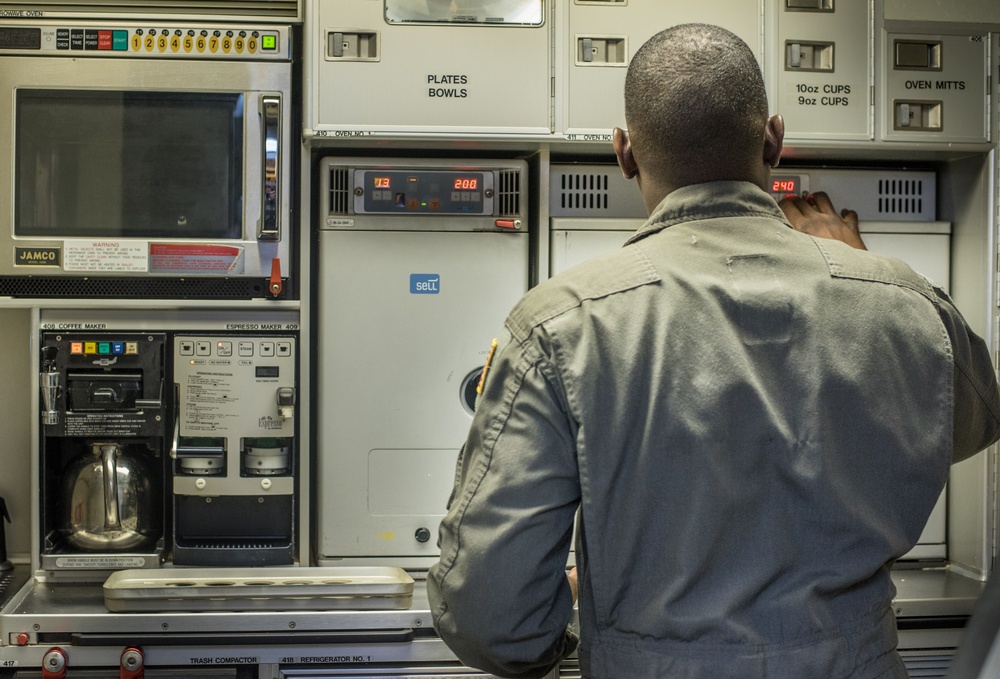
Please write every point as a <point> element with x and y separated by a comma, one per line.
<point>104,347</point>
<point>269,42</point>
<point>119,40</point>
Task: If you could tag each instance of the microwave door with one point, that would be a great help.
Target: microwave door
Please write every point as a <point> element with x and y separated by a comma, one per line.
<point>128,164</point>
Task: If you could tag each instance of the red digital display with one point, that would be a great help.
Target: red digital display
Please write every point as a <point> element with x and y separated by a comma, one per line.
<point>381,182</point>
<point>466,183</point>
<point>785,185</point>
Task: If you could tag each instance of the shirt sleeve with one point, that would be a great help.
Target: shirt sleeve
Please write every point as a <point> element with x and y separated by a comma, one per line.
<point>977,397</point>
<point>499,595</point>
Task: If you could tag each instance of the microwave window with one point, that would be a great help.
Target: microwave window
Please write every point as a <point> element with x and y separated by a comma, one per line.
<point>129,164</point>
<point>489,12</point>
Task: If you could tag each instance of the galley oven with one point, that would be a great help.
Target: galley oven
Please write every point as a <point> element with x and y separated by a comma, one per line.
<point>145,159</point>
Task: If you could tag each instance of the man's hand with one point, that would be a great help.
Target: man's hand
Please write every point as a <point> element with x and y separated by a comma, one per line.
<point>816,216</point>
<point>573,585</point>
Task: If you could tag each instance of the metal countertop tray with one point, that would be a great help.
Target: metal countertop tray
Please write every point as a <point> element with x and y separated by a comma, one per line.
<point>248,589</point>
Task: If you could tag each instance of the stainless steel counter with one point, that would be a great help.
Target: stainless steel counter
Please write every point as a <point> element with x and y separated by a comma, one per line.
<point>934,593</point>
<point>43,615</point>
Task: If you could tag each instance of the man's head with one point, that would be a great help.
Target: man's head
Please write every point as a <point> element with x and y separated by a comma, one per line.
<point>696,111</point>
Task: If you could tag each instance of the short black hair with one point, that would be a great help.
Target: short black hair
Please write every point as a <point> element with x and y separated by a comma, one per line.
<point>695,97</point>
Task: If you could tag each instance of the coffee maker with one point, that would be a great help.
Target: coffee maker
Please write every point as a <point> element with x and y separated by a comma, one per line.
<point>167,440</point>
<point>103,438</point>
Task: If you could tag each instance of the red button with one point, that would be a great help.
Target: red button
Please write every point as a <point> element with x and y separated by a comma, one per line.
<point>508,223</point>
<point>22,639</point>
<point>104,40</point>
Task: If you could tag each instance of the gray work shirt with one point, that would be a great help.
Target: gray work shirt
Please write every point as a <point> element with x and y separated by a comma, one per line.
<point>754,423</point>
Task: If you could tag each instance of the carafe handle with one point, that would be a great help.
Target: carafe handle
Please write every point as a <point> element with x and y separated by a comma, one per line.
<point>109,454</point>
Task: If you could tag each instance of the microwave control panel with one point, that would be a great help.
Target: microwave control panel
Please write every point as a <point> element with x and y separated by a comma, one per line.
<point>115,39</point>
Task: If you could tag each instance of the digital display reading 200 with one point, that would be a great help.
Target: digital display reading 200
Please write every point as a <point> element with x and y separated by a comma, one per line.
<point>414,190</point>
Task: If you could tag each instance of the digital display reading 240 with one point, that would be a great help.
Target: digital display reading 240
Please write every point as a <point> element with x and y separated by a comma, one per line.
<point>785,185</point>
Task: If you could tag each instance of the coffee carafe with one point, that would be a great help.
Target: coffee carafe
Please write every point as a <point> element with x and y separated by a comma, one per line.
<point>112,500</point>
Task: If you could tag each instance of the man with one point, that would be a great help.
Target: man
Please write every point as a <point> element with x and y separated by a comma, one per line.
<point>754,422</point>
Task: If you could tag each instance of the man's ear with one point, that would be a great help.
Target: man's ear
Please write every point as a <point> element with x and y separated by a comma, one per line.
<point>774,139</point>
<point>623,152</point>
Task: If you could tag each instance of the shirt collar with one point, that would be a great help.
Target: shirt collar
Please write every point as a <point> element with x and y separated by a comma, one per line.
<point>710,200</point>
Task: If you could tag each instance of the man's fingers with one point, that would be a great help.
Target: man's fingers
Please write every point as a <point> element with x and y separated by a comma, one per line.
<point>791,210</point>
<point>851,217</point>
<point>822,202</point>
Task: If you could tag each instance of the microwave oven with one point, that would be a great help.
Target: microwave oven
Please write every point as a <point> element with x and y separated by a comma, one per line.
<point>146,160</point>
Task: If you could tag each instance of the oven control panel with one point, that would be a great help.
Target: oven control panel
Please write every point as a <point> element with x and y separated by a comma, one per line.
<point>115,39</point>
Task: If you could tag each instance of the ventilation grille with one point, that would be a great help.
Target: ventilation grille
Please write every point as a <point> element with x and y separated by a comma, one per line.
<point>924,664</point>
<point>164,8</point>
<point>137,288</point>
<point>927,664</point>
<point>570,669</point>
<point>340,191</point>
<point>584,191</point>
<point>232,543</point>
<point>508,194</point>
<point>900,196</point>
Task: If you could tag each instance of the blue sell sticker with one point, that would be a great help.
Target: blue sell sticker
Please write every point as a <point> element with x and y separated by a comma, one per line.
<point>425,283</point>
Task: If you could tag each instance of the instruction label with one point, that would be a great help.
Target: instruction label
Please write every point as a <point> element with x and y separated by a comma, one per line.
<point>211,399</point>
<point>108,425</point>
<point>100,562</point>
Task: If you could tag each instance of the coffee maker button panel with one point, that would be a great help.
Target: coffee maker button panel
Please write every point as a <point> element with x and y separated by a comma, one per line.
<point>246,348</point>
<point>225,348</point>
<point>267,348</point>
<point>186,348</point>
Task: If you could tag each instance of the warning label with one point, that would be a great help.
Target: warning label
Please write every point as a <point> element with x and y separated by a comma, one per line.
<point>193,258</point>
<point>112,256</point>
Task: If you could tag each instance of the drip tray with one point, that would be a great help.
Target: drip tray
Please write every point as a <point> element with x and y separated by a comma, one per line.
<point>251,589</point>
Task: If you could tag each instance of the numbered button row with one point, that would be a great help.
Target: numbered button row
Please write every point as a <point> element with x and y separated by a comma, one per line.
<point>191,41</point>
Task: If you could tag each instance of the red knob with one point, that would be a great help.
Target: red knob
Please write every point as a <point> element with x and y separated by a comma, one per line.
<point>132,663</point>
<point>54,664</point>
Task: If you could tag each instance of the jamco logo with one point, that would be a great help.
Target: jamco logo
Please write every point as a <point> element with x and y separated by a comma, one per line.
<point>36,256</point>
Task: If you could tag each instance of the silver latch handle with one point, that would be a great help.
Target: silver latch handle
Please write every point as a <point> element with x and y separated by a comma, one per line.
<point>269,227</point>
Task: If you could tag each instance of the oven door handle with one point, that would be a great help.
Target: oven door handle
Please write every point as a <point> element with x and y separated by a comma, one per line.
<point>269,226</point>
<point>177,421</point>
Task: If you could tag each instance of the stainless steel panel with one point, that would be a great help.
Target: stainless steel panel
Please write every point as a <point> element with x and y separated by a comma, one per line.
<point>931,104</point>
<point>392,371</point>
<point>589,99</point>
<point>822,65</point>
<point>371,75</point>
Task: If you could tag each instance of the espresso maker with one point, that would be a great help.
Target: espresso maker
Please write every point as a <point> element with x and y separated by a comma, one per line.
<point>167,440</point>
